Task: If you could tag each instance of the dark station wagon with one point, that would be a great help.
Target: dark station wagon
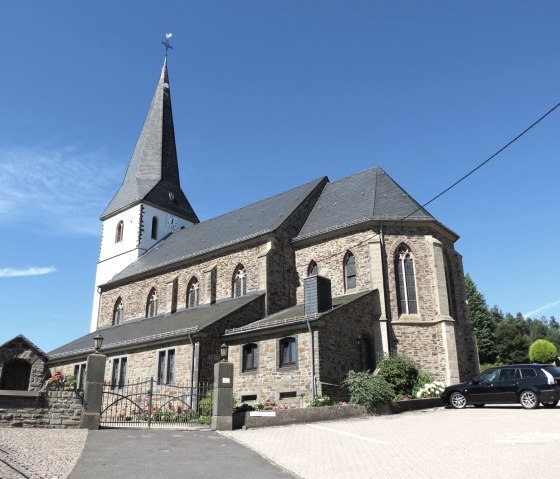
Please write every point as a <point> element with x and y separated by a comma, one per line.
<point>526,384</point>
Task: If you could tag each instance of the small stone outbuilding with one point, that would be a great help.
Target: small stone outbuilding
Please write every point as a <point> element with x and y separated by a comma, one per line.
<point>22,365</point>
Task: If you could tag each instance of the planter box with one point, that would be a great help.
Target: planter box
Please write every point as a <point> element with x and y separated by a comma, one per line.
<point>327,413</point>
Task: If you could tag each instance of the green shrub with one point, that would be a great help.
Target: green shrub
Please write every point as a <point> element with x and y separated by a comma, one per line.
<point>205,408</point>
<point>542,351</point>
<point>400,372</point>
<point>319,401</point>
<point>423,379</point>
<point>368,390</point>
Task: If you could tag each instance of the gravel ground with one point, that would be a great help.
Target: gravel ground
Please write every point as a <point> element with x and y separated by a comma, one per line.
<point>39,453</point>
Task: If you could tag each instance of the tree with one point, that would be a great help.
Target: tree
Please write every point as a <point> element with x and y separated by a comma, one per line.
<point>512,338</point>
<point>542,351</point>
<point>482,321</point>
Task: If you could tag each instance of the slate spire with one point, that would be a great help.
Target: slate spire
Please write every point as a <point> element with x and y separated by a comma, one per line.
<point>153,172</point>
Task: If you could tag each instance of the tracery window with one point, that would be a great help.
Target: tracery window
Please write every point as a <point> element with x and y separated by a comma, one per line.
<point>312,269</point>
<point>349,271</point>
<point>192,293</point>
<point>119,232</point>
<point>239,282</point>
<point>152,306</point>
<point>118,312</point>
<point>406,281</point>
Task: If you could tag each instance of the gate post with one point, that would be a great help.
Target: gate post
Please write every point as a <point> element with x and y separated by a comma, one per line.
<point>93,391</point>
<point>222,406</point>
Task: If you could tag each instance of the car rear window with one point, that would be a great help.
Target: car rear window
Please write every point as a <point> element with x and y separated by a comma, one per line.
<point>528,372</point>
<point>552,370</point>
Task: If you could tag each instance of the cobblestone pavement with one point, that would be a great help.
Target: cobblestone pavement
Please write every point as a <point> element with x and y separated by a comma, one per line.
<point>497,442</point>
<point>39,453</point>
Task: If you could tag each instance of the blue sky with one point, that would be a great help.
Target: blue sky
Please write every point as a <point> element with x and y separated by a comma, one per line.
<point>268,95</point>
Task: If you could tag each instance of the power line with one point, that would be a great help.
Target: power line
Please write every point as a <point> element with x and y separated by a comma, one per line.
<point>460,180</point>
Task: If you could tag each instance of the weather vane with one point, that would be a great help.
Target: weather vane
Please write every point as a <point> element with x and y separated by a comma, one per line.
<point>166,43</point>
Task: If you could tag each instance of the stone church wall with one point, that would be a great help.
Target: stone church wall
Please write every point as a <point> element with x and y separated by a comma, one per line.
<point>135,294</point>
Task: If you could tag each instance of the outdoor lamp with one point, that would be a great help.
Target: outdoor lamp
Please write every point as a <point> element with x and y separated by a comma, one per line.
<point>224,352</point>
<point>98,341</point>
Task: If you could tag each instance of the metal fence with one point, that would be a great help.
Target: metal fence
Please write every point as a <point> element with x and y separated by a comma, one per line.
<point>150,404</point>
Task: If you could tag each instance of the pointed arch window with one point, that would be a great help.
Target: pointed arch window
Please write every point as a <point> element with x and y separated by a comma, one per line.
<point>406,281</point>
<point>119,232</point>
<point>152,306</point>
<point>239,282</point>
<point>312,269</point>
<point>192,293</point>
<point>349,271</point>
<point>154,227</point>
<point>118,312</point>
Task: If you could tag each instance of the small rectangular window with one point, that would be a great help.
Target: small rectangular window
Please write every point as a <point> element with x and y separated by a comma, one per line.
<point>288,394</point>
<point>248,397</point>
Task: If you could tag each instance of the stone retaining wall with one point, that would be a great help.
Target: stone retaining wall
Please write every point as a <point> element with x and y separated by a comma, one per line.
<point>283,417</point>
<point>51,409</point>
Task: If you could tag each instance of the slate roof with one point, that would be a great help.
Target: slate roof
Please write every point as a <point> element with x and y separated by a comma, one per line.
<point>146,330</point>
<point>294,315</point>
<point>248,222</point>
<point>369,195</point>
<point>21,339</point>
<point>153,171</point>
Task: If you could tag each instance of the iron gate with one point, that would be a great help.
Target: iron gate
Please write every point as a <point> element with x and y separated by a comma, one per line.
<point>151,404</point>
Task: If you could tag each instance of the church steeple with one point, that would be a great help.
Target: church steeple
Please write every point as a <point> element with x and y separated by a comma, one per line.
<point>152,176</point>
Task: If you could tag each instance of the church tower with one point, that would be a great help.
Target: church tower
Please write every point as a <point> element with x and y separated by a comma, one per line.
<point>150,204</point>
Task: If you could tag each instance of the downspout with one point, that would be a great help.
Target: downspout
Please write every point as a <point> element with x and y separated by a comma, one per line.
<point>313,380</point>
<point>192,361</point>
<point>385,280</point>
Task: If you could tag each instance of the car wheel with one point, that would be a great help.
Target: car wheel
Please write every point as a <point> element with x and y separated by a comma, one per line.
<point>457,400</point>
<point>529,400</point>
<point>479,405</point>
<point>550,404</point>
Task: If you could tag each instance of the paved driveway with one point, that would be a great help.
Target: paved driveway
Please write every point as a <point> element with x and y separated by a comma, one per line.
<point>490,442</point>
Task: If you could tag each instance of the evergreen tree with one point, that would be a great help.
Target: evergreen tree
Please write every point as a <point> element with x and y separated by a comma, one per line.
<point>483,323</point>
<point>512,337</point>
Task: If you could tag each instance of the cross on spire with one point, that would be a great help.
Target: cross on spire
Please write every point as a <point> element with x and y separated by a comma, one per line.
<point>166,44</point>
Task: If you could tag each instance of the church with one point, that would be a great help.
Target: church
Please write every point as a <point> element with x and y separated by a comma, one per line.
<point>302,286</point>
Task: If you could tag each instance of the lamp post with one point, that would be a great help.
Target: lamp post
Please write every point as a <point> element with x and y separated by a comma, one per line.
<point>98,341</point>
<point>224,352</point>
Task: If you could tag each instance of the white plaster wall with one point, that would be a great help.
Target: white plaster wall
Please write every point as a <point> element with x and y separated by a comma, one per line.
<point>146,241</point>
<point>131,234</point>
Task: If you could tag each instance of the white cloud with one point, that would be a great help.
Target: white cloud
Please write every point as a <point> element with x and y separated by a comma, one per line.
<point>542,308</point>
<point>34,271</point>
<point>62,190</point>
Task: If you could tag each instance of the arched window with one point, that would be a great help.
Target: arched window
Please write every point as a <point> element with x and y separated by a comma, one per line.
<point>154,227</point>
<point>406,282</point>
<point>118,312</point>
<point>239,282</point>
<point>349,271</point>
<point>151,307</point>
<point>192,293</point>
<point>250,357</point>
<point>119,232</point>
<point>312,269</point>
<point>288,352</point>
